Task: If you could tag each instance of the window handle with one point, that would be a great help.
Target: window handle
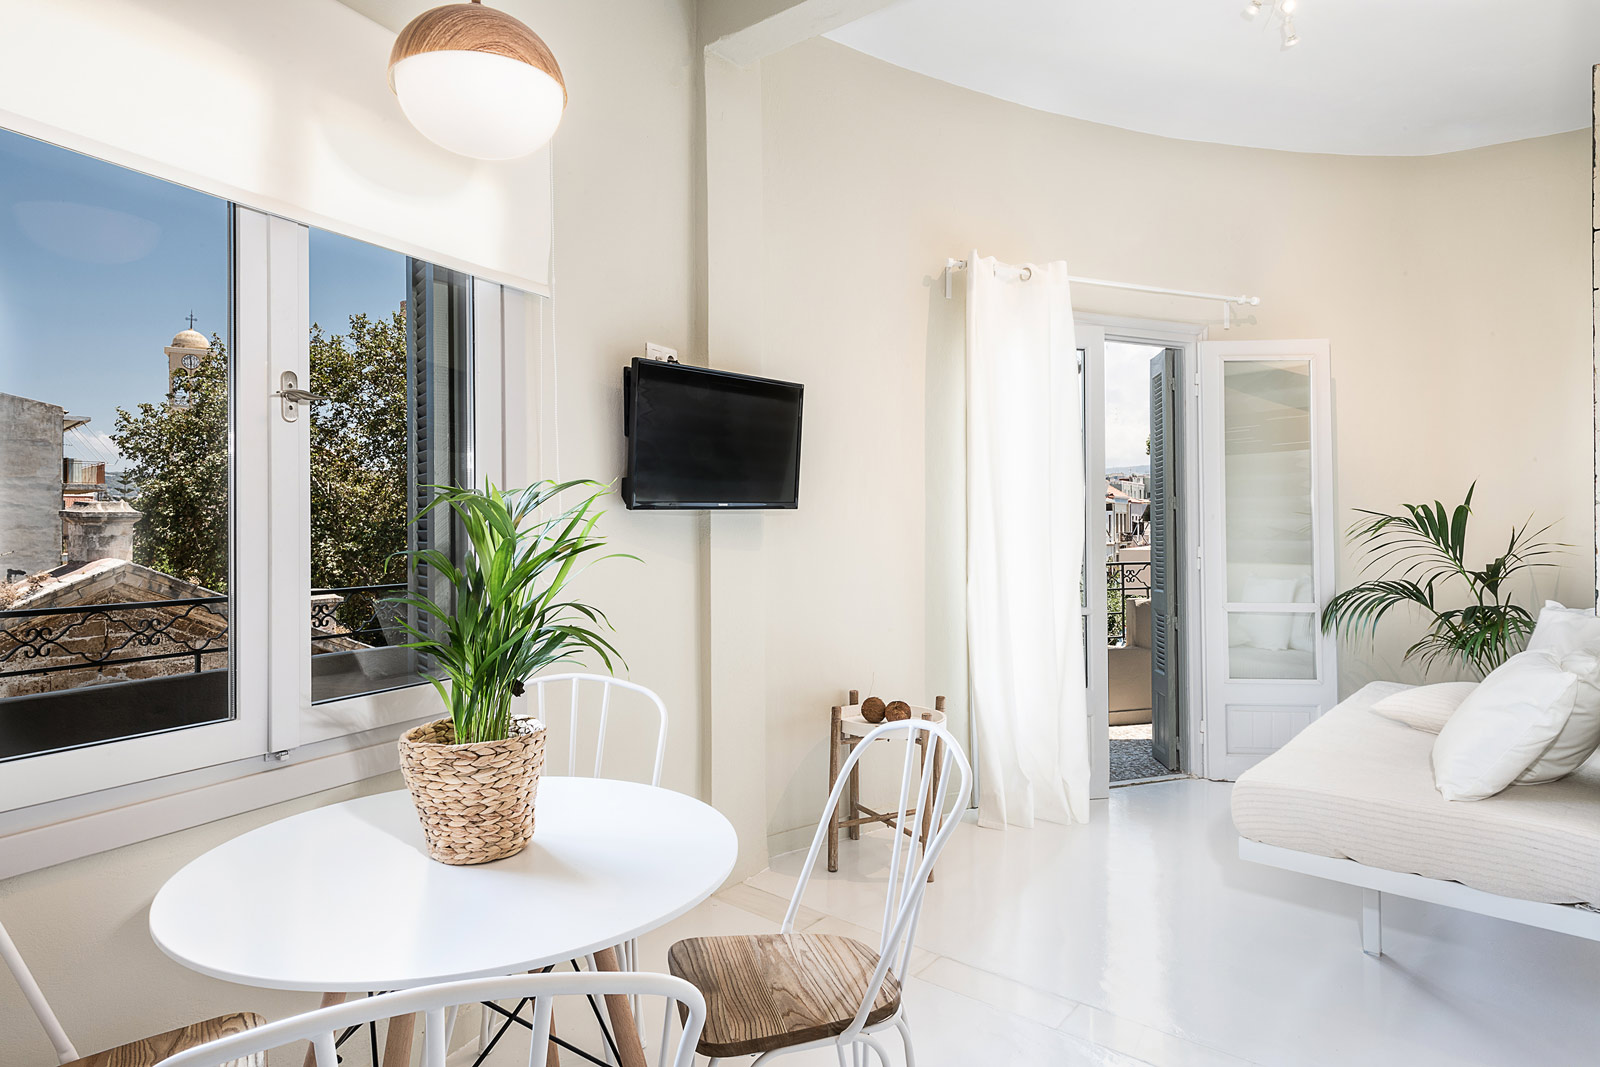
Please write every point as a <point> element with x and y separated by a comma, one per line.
<point>292,396</point>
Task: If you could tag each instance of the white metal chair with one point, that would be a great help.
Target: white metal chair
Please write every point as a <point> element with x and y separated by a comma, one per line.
<point>140,1053</point>
<point>438,1005</point>
<point>580,705</point>
<point>578,685</point>
<point>838,991</point>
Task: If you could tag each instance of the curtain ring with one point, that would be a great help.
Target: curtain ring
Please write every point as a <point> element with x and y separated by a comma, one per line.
<point>1027,274</point>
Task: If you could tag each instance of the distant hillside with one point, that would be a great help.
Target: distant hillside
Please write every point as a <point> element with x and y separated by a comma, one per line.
<point>1143,468</point>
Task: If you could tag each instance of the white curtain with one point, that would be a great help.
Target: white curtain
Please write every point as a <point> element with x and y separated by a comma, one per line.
<point>1025,523</point>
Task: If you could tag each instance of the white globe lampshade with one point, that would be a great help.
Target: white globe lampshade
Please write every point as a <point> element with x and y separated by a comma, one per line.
<point>477,82</point>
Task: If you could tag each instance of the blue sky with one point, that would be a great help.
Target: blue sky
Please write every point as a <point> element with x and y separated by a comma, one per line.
<point>1127,403</point>
<point>100,266</point>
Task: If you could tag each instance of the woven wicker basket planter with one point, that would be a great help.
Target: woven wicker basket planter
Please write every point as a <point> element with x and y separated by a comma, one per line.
<point>475,801</point>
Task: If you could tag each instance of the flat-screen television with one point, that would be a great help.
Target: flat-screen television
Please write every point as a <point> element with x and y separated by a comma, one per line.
<point>701,438</point>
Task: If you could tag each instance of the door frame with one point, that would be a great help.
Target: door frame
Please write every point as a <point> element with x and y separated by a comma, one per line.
<point>1093,332</point>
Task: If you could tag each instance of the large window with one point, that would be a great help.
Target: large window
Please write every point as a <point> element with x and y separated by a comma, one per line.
<point>389,351</point>
<point>195,570</point>
<point>115,487</point>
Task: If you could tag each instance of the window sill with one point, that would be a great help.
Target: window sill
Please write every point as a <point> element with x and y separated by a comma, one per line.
<point>44,835</point>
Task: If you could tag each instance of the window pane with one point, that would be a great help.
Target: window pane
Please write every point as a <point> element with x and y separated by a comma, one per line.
<point>1272,645</point>
<point>1267,443</point>
<point>389,349</point>
<point>115,475</point>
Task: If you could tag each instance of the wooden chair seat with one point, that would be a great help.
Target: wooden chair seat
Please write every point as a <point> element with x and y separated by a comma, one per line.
<point>152,1050</point>
<point>769,991</point>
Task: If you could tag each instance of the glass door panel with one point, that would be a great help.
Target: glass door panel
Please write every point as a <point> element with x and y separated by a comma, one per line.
<point>1266,510</point>
<point>1267,481</point>
<point>116,485</point>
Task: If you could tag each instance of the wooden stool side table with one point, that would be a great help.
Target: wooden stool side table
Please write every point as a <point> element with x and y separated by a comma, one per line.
<point>847,730</point>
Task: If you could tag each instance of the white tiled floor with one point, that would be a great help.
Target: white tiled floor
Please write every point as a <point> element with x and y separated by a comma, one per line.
<point>1142,938</point>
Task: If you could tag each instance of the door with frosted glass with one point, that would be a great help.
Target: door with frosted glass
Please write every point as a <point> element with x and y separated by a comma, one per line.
<point>1267,550</point>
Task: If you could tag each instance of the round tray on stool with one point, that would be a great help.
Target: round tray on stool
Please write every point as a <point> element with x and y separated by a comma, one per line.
<point>848,729</point>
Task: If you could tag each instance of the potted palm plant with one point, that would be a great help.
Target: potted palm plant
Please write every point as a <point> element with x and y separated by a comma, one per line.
<point>1420,554</point>
<point>503,616</point>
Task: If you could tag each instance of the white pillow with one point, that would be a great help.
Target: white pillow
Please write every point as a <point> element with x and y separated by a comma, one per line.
<point>1264,630</point>
<point>1562,629</point>
<point>1506,723</point>
<point>1567,632</point>
<point>1425,707</point>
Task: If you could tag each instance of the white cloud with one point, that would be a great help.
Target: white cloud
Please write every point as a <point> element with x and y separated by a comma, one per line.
<point>1127,380</point>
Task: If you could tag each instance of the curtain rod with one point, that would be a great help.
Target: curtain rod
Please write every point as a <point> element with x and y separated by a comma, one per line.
<point>1224,299</point>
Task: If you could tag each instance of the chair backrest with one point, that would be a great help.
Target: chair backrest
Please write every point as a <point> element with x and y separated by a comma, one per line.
<point>35,998</point>
<point>580,684</point>
<point>438,1004</point>
<point>923,791</point>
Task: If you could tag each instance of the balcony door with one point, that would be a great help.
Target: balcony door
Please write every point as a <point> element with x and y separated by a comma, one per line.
<point>1268,546</point>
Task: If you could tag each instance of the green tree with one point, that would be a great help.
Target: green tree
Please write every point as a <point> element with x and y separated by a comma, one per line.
<point>177,456</point>
<point>178,465</point>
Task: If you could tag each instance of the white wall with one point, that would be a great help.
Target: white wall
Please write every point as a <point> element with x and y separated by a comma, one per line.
<point>625,219</point>
<point>1454,289</point>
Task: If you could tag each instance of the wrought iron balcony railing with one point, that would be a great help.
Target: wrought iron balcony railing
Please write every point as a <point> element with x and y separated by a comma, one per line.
<point>1124,582</point>
<point>43,641</point>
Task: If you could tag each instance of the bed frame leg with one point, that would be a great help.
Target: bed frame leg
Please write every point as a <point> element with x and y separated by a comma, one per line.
<point>1372,923</point>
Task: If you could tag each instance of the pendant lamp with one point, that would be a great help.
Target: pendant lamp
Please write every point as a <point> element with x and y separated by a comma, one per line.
<point>477,81</point>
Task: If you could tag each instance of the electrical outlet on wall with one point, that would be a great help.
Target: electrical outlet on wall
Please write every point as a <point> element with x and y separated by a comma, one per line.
<point>661,352</point>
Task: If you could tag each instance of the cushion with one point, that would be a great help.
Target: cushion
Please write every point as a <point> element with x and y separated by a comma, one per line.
<point>1357,786</point>
<point>1506,723</point>
<point>1425,707</point>
<point>1565,632</point>
<point>1563,629</point>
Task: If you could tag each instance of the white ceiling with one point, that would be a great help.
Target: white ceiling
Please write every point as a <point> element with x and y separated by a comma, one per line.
<point>1370,77</point>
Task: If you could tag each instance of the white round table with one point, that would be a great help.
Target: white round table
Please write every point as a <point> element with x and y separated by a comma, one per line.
<point>344,898</point>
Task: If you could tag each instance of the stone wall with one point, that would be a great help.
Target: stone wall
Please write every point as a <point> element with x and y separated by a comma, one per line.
<point>30,486</point>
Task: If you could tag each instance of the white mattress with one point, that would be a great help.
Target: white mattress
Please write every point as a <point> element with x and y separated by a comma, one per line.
<point>1354,785</point>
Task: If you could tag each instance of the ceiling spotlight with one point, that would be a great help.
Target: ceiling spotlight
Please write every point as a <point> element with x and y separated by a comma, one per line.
<point>1290,38</point>
<point>1288,6</point>
<point>1253,10</point>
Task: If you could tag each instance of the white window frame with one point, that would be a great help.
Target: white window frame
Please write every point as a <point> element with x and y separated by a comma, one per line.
<point>278,745</point>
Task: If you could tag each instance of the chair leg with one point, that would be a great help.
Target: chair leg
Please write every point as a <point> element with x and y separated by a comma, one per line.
<point>834,730</point>
<point>853,806</point>
<point>905,1039</point>
<point>1372,922</point>
<point>328,1001</point>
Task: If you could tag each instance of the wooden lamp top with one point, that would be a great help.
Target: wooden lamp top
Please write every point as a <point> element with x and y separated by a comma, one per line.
<point>472,27</point>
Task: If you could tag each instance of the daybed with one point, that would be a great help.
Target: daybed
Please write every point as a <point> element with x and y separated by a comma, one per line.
<point>1352,799</point>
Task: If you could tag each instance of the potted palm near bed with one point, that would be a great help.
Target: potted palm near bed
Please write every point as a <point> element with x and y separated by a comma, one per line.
<point>1420,556</point>
<point>504,614</point>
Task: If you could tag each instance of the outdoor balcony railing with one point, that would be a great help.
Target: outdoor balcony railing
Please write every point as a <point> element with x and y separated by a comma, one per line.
<point>78,637</point>
<point>1125,582</point>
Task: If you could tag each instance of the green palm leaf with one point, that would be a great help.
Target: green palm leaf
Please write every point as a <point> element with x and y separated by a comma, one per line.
<point>500,618</point>
<point>1419,551</point>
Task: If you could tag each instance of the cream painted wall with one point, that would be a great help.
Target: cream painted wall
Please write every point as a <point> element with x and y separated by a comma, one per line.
<point>1454,289</point>
<point>625,268</point>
